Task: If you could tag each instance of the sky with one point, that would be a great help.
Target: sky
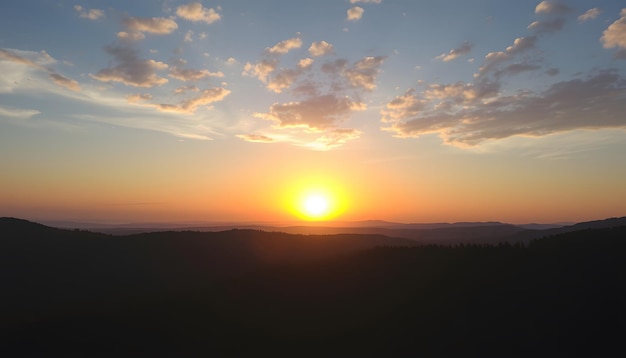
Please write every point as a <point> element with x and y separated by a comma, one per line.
<point>238,111</point>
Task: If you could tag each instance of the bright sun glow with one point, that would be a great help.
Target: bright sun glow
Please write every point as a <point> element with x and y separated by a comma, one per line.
<point>316,206</point>
<point>316,202</point>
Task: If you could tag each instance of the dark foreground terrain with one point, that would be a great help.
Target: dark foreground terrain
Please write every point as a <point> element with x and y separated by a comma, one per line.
<point>252,293</point>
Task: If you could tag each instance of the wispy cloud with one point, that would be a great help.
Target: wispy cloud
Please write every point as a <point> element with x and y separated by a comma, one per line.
<point>255,138</point>
<point>18,112</point>
<point>39,61</point>
<point>131,36</point>
<point>589,15</point>
<point>190,105</point>
<point>188,36</point>
<point>65,82</point>
<point>334,138</point>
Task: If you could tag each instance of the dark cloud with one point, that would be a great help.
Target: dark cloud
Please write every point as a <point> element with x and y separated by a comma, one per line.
<point>547,26</point>
<point>130,69</point>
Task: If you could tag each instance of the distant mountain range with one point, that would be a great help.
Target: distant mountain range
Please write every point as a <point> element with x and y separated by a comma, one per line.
<point>424,233</point>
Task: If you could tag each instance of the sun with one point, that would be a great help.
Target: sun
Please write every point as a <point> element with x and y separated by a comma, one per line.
<point>316,206</point>
<point>315,198</point>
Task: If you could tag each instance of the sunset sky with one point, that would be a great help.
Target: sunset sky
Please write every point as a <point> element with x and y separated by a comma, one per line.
<point>238,111</point>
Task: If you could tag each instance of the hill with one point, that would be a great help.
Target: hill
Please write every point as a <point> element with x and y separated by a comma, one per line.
<point>245,292</point>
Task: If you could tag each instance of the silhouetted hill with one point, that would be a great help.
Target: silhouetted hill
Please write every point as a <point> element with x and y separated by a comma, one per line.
<point>528,235</point>
<point>248,293</point>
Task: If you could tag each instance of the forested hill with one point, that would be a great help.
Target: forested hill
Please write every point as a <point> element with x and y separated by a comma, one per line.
<point>78,294</point>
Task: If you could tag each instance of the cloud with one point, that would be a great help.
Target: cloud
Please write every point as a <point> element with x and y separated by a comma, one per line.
<point>464,49</point>
<point>18,112</point>
<point>197,13</point>
<point>315,113</point>
<point>188,36</point>
<point>547,26</point>
<point>283,79</point>
<point>327,96</point>
<point>597,101</point>
<point>152,25</point>
<point>521,44</point>
<point>65,82</point>
<point>552,71</point>
<point>516,68</point>
<point>320,48</point>
<point>305,63</point>
<point>307,89</point>
<point>255,138</point>
<point>589,15</point>
<point>91,14</point>
<point>552,7</point>
<point>363,73</point>
<point>354,13</point>
<point>366,1</point>
<point>494,59</point>
<point>40,62</point>
<point>132,36</point>
<point>138,97</point>
<point>284,46</point>
<point>40,59</point>
<point>190,105</point>
<point>130,69</point>
<point>260,70</point>
<point>185,89</point>
<point>334,138</point>
<point>176,71</point>
<point>30,77</point>
<point>615,35</point>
